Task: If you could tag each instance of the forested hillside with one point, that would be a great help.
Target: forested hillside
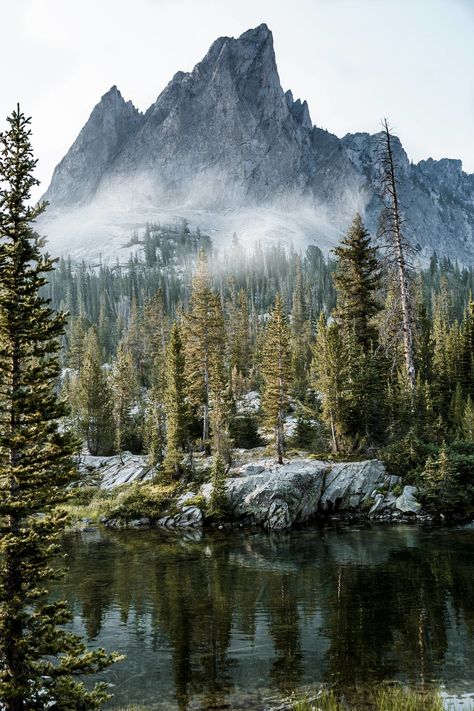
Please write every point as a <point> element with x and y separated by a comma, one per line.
<point>187,349</point>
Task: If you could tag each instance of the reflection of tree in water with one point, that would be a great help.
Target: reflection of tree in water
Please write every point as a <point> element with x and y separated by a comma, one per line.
<point>284,624</point>
<point>384,616</point>
<point>194,608</point>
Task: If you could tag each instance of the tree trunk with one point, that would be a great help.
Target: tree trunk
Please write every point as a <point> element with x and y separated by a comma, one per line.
<point>397,238</point>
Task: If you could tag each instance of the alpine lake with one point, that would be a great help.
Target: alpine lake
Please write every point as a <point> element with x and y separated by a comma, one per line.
<point>242,619</point>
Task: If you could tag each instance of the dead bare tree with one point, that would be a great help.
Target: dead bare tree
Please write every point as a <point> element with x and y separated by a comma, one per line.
<point>397,247</point>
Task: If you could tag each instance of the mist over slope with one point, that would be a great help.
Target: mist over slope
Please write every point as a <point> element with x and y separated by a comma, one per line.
<point>225,147</point>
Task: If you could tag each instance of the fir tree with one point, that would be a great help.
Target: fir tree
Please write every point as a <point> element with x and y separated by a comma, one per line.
<point>300,336</point>
<point>92,400</point>
<point>124,393</point>
<point>357,279</point>
<point>468,420</point>
<point>39,659</point>
<point>330,377</point>
<point>276,374</point>
<point>154,427</point>
<point>175,404</point>
<point>218,503</point>
<point>219,391</point>
<point>203,339</point>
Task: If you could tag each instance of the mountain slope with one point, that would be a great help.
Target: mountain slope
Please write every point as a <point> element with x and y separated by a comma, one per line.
<point>223,146</point>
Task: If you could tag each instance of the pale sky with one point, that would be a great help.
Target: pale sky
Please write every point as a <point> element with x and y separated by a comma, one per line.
<point>354,61</point>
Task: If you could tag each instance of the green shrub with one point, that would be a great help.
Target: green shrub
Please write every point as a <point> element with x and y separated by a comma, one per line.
<point>244,431</point>
<point>142,501</point>
<point>407,457</point>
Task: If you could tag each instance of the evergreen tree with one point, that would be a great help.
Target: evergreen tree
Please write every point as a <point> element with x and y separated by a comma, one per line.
<point>124,394</point>
<point>300,336</point>
<point>39,659</point>
<point>218,502</point>
<point>357,279</point>
<point>203,343</point>
<point>175,404</point>
<point>154,427</point>
<point>330,377</point>
<point>92,400</point>
<point>276,374</point>
<point>219,391</point>
<point>468,420</point>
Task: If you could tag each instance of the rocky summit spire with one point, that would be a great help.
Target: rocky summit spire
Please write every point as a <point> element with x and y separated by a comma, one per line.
<point>76,178</point>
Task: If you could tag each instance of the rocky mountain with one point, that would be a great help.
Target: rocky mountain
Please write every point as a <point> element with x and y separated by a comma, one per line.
<point>226,147</point>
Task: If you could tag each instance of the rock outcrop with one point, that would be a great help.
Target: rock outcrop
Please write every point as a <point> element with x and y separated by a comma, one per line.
<point>274,496</point>
<point>280,496</point>
<point>225,138</point>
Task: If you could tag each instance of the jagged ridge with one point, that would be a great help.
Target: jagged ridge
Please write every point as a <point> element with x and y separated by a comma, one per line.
<point>226,136</point>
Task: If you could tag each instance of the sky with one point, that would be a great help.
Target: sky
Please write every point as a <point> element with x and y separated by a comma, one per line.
<point>354,61</point>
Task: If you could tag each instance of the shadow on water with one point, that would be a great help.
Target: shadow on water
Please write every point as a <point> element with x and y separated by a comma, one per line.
<point>231,619</point>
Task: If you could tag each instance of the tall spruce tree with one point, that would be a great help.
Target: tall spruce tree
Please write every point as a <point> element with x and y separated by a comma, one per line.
<point>276,374</point>
<point>330,377</point>
<point>92,401</point>
<point>357,279</point>
<point>175,404</point>
<point>39,660</point>
<point>124,393</point>
<point>203,330</point>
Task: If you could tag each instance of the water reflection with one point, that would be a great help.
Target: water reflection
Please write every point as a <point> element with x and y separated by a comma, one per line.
<point>211,620</point>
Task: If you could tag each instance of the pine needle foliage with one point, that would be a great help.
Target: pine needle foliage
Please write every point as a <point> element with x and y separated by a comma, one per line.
<point>40,661</point>
<point>276,373</point>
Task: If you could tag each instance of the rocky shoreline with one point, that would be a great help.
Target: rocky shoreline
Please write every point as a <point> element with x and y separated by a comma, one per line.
<point>276,497</point>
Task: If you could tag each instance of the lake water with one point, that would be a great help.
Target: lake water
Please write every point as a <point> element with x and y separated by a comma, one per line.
<point>238,619</point>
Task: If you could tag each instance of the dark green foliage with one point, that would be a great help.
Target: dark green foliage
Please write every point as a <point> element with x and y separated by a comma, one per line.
<point>176,410</point>
<point>276,374</point>
<point>39,660</point>
<point>357,279</point>
<point>441,484</point>
<point>218,505</point>
<point>407,456</point>
<point>244,431</point>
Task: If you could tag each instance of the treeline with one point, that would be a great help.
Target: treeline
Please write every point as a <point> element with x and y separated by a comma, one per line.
<point>160,359</point>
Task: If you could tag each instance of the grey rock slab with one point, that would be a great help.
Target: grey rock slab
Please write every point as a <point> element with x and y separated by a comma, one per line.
<point>406,502</point>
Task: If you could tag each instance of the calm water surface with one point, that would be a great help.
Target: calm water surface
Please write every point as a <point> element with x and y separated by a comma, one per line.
<point>236,619</point>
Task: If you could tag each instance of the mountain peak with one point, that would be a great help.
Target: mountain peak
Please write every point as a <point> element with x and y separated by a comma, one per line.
<point>257,34</point>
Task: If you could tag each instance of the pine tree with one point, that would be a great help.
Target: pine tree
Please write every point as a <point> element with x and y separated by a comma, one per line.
<point>219,390</point>
<point>124,394</point>
<point>39,659</point>
<point>357,279</point>
<point>203,343</point>
<point>330,378</point>
<point>154,427</point>
<point>218,502</point>
<point>92,400</point>
<point>78,327</point>
<point>175,404</point>
<point>276,374</point>
<point>300,336</point>
<point>468,420</point>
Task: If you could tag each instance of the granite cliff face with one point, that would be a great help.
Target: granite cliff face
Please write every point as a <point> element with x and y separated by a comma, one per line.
<point>226,137</point>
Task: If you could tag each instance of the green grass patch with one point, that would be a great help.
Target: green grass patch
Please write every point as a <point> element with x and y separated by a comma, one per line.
<point>124,503</point>
<point>385,699</point>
